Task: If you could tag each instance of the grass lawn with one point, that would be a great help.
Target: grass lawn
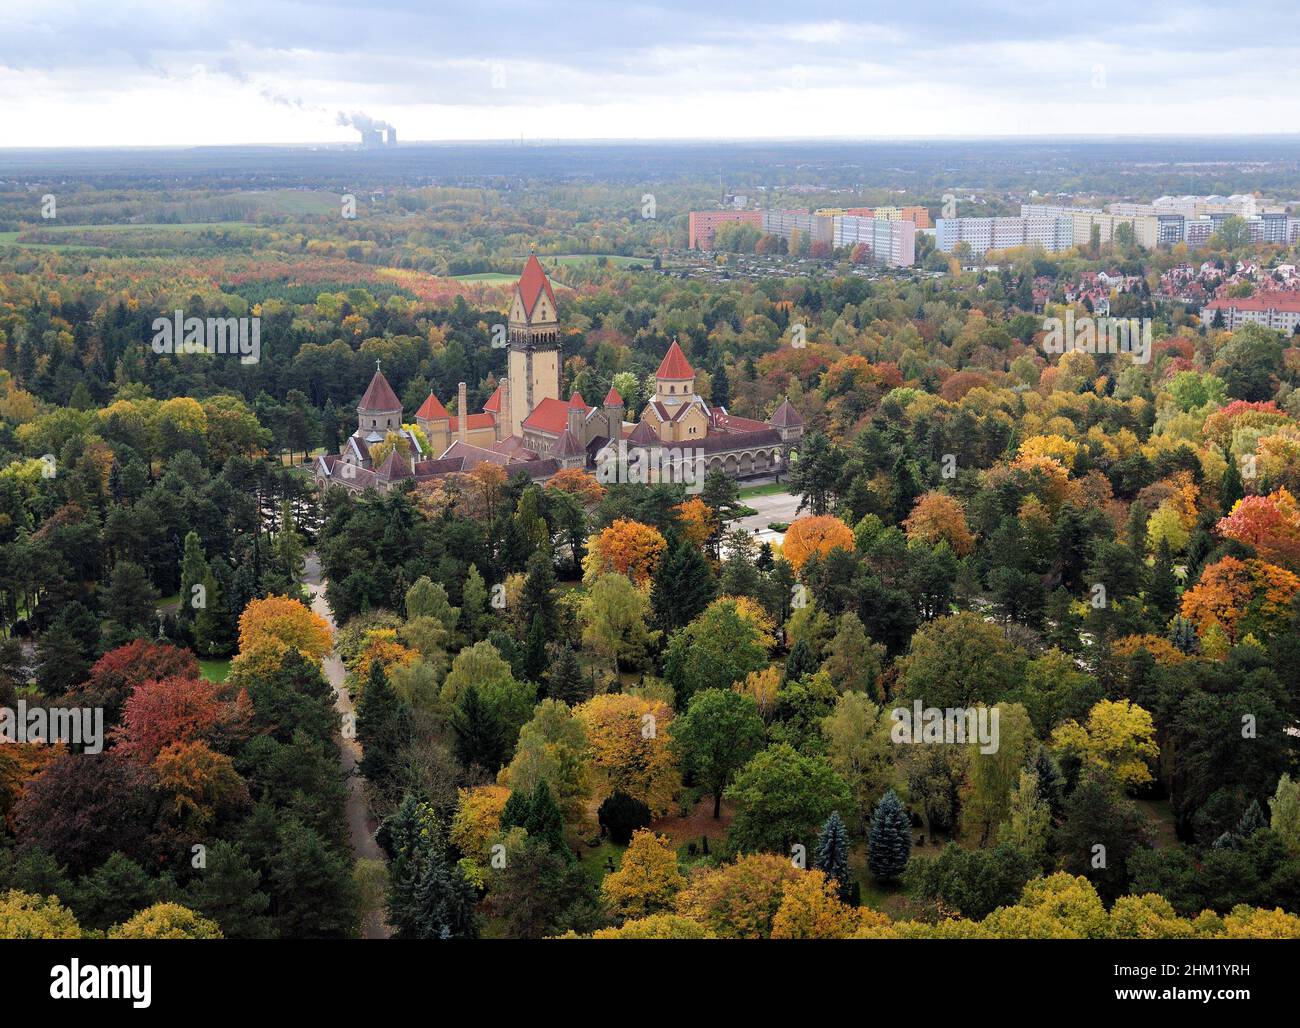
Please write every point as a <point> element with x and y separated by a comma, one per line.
<point>593,861</point>
<point>610,258</point>
<point>215,670</point>
<point>492,277</point>
<point>770,489</point>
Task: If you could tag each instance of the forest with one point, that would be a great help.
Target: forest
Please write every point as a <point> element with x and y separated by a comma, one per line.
<point>586,710</point>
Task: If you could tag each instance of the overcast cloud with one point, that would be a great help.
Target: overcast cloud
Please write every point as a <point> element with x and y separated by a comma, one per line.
<point>157,72</point>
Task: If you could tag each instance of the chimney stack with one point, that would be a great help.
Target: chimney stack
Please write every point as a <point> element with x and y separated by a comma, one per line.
<point>462,413</point>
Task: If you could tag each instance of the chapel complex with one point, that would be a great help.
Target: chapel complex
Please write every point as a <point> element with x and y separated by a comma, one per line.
<point>527,426</point>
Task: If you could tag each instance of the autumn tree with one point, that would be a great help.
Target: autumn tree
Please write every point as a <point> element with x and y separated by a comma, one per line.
<point>166,921</point>
<point>738,900</point>
<point>629,739</point>
<point>647,881</point>
<point>938,517</point>
<point>626,547</point>
<point>1118,737</point>
<point>815,534</point>
<point>278,619</point>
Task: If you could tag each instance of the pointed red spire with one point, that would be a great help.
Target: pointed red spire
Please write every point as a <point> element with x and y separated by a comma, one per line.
<point>675,365</point>
<point>432,410</point>
<point>577,401</point>
<point>612,399</point>
<point>379,395</point>
<point>531,284</point>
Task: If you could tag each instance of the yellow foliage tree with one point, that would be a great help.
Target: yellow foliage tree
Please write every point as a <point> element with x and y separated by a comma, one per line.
<point>1119,737</point>
<point>647,881</point>
<point>166,921</point>
<point>628,736</point>
<point>287,621</point>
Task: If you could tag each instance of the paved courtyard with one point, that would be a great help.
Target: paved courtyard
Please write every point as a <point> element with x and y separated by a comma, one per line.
<point>774,507</point>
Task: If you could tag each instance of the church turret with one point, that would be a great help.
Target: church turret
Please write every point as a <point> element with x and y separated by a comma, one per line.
<point>614,408</point>
<point>380,411</point>
<point>675,379</point>
<point>534,336</point>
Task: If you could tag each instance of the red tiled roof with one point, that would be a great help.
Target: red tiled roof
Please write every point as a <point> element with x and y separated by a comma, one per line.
<point>493,404</point>
<point>474,421</point>
<point>551,415</point>
<point>1259,302</point>
<point>379,395</point>
<point>576,400</point>
<point>675,365</point>
<point>531,284</point>
<point>432,410</point>
<point>612,399</point>
<point>786,416</point>
<point>643,433</point>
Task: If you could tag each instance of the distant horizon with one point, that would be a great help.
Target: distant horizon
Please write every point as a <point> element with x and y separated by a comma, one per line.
<point>407,144</point>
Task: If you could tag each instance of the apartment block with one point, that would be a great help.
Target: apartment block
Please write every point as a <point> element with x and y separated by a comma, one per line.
<point>1275,310</point>
<point>703,225</point>
<point>918,216</point>
<point>1146,226</point>
<point>892,243</point>
<point>1052,233</point>
<point>817,228</point>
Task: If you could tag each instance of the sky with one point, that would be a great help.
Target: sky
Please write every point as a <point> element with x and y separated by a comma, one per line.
<point>215,72</point>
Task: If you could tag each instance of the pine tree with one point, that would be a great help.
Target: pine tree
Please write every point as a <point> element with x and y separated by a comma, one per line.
<point>1162,589</point>
<point>1231,488</point>
<point>479,735</point>
<point>682,587</point>
<point>537,600</point>
<point>1182,633</point>
<point>213,627</point>
<point>721,387</point>
<point>1251,821</point>
<point>800,662</point>
<point>566,681</point>
<point>535,656</point>
<point>889,838</point>
<point>1050,784</point>
<point>544,820</point>
<point>443,903</point>
<point>228,890</point>
<point>194,571</point>
<point>832,856</point>
<point>473,605</point>
<point>289,548</point>
<point>515,812</point>
<point>382,729</point>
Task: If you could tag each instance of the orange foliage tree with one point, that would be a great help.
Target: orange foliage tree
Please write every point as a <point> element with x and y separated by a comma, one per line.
<point>1241,597</point>
<point>629,739</point>
<point>697,519</point>
<point>579,483</point>
<point>626,547</point>
<point>1271,524</point>
<point>817,533</point>
<point>279,619</point>
<point>938,516</point>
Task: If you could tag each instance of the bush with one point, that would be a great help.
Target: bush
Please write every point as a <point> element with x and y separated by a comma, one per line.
<point>621,815</point>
